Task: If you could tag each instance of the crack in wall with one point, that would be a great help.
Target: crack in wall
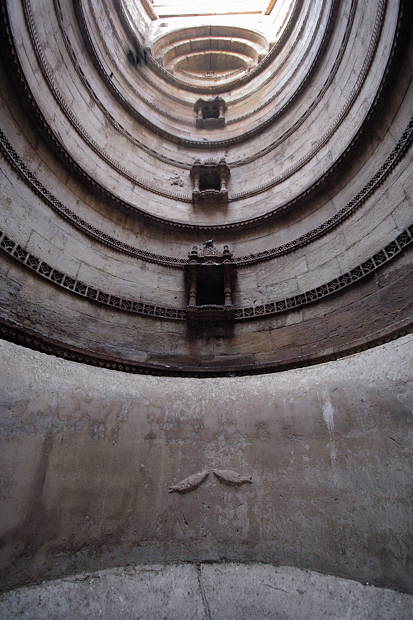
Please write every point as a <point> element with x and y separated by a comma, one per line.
<point>203,594</point>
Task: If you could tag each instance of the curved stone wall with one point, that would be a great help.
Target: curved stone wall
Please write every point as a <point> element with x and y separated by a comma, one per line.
<point>98,140</point>
<point>97,191</point>
<point>92,453</point>
<point>209,590</point>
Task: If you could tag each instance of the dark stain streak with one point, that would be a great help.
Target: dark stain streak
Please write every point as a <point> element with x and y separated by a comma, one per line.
<point>38,524</point>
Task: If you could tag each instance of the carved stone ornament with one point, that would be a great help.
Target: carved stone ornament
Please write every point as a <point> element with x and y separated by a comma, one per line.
<point>228,476</point>
<point>210,181</point>
<point>210,113</point>
<point>387,254</point>
<point>210,282</point>
<point>189,483</point>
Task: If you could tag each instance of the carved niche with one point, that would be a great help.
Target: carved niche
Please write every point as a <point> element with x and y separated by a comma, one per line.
<point>210,113</point>
<point>210,181</point>
<point>137,55</point>
<point>210,275</point>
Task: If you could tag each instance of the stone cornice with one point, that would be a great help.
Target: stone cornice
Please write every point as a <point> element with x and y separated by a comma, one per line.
<point>246,135</point>
<point>82,289</point>
<point>326,35</point>
<point>259,311</point>
<point>61,209</point>
<point>69,161</point>
<point>392,160</point>
<point>149,10</point>
<point>213,144</point>
<point>310,72</point>
<point>237,82</point>
<point>33,340</point>
<point>75,122</point>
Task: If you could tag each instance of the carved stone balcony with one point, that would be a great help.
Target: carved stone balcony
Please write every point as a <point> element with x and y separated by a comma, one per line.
<point>210,114</point>
<point>210,281</point>
<point>210,182</point>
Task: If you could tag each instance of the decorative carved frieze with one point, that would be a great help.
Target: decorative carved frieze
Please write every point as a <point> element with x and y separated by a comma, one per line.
<point>43,269</point>
<point>13,62</point>
<point>245,135</point>
<point>391,161</point>
<point>37,342</point>
<point>83,289</point>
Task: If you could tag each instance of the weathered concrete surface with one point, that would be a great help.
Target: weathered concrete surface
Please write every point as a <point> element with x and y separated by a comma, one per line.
<point>88,455</point>
<point>152,591</point>
<point>208,591</point>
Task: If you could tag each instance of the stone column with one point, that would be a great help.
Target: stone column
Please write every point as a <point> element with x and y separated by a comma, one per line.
<point>192,287</point>
<point>221,109</point>
<point>196,181</point>
<point>224,180</point>
<point>227,286</point>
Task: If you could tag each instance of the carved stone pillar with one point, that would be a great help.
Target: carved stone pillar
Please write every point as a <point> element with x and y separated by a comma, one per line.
<point>198,111</point>
<point>196,176</point>
<point>192,286</point>
<point>222,108</point>
<point>227,285</point>
<point>224,175</point>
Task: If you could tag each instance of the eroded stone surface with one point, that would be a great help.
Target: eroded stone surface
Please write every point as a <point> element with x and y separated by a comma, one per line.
<point>226,591</point>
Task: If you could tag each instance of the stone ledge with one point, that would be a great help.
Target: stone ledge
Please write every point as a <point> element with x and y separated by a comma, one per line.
<point>221,591</point>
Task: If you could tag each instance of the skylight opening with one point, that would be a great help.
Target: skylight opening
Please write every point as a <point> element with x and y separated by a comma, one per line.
<point>181,8</point>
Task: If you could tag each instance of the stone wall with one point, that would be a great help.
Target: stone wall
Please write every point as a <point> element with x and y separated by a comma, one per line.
<point>88,456</point>
<point>214,591</point>
<point>112,392</point>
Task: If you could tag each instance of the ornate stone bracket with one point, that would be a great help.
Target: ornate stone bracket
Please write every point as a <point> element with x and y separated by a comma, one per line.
<point>210,113</point>
<point>210,181</point>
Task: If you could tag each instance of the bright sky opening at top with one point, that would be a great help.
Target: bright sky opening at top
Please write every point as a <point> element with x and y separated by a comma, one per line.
<point>172,8</point>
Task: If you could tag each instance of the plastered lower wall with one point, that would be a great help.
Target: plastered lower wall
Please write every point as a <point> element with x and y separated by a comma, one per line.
<point>88,455</point>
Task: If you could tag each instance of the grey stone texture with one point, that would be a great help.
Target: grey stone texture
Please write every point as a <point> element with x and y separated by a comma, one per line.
<point>226,591</point>
<point>144,592</point>
<point>88,456</point>
<point>268,495</point>
<point>94,110</point>
<point>372,310</point>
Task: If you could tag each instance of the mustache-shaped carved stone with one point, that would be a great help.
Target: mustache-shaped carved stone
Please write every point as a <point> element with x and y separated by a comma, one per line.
<point>189,483</point>
<point>231,477</point>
